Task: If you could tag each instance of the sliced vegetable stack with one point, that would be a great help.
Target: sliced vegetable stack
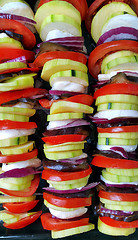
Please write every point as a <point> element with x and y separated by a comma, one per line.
<point>66,169</point>
<point>114,63</point>
<point>19,177</point>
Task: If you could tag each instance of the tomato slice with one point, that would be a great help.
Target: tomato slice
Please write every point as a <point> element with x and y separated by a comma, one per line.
<point>11,53</point>
<point>24,193</point>
<point>28,40</point>
<point>106,162</point>
<point>58,139</point>
<point>16,70</point>
<point>80,5</point>
<point>47,56</point>
<point>20,207</point>
<point>80,98</point>
<point>117,88</point>
<point>9,124</point>
<point>115,196</point>
<point>96,56</point>
<point>18,157</point>
<point>98,4</point>
<point>16,94</point>
<point>119,224</point>
<point>24,221</point>
<point>67,202</point>
<point>53,175</point>
<point>50,223</point>
<point>133,128</point>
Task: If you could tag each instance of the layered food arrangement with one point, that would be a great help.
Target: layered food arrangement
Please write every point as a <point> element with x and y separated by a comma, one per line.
<point>66,169</point>
<point>113,26</point>
<point>58,61</point>
<point>19,171</point>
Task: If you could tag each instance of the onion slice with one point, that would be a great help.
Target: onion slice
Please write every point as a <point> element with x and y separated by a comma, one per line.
<point>119,185</point>
<point>75,190</point>
<point>17,18</point>
<point>18,173</point>
<point>119,33</point>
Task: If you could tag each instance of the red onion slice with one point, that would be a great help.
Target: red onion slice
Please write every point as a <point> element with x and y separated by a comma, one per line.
<point>75,190</point>
<point>120,33</point>
<point>58,92</point>
<point>112,121</point>
<point>75,123</point>
<point>120,151</point>
<point>19,59</point>
<point>19,172</point>
<point>116,212</point>
<point>74,41</point>
<point>17,18</point>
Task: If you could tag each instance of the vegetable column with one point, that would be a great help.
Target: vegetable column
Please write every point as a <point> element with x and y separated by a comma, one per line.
<point>114,63</point>
<point>19,178</point>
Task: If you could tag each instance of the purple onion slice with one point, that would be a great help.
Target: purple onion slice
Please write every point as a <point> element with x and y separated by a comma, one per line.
<point>19,172</point>
<point>120,33</point>
<point>75,190</point>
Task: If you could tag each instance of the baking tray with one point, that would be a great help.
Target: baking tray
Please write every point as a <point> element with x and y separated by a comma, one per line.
<point>35,231</point>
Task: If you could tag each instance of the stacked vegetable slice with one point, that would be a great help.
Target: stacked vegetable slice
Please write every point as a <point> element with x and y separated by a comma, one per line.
<point>66,168</point>
<point>59,19</point>
<point>19,178</point>
<point>114,64</point>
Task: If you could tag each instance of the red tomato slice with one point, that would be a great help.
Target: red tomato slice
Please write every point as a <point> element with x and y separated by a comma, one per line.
<point>16,94</point>
<point>115,196</point>
<point>9,124</point>
<point>67,202</point>
<point>18,157</point>
<point>20,207</point>
<point>47,56</point>
<point>16,70</point>
<point>80,5</point>
<point>50,223</point>
<point>24,193</point>
<point>106,162</point>
<point>29,39</point>
<point>11,53</point>
<point>117,88</point>
<point>53,175</point>
<point>119,224</point>
<point>133,128</point>
<point>96,56</point>
<point>80,98</point>
<point>98,4</point>
<point>24,221</point>
<point>58,139</point>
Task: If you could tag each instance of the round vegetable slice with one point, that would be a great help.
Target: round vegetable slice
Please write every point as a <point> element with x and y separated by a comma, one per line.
<point>80,5</point>
<point>47,56</point>
<point>24,193</point>
<point>96,56</point>
<point>119,224</point>
<point>20,207</point>
<point>117,88</point>
<point>58,139</point>
<point>67,202</point>
<point>106,162</point>
<point>50,223</point>
<point>133,128</point>
<point>8,124</point>
<point>115,196</point>
<point>57,176</point>
<point>11,53</point>
<point>18,157</point>
<point>24,221</point>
